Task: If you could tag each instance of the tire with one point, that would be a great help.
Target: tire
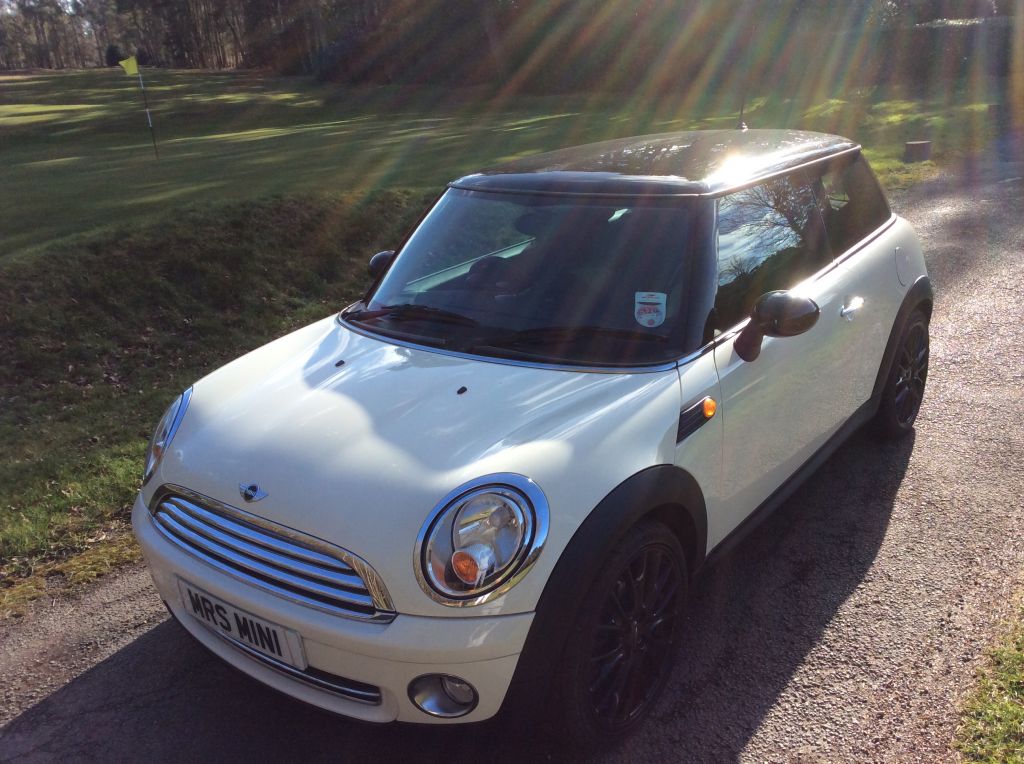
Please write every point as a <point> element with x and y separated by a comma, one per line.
<point>904,389</point>
<point>622,646</point>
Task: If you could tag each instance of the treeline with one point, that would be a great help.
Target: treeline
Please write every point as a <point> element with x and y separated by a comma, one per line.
<point>541,45</point>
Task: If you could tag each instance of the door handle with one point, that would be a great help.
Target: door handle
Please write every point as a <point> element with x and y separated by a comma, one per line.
<point>849,311</point>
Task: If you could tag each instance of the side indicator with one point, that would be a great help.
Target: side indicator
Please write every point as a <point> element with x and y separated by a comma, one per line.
<point>691,419</point>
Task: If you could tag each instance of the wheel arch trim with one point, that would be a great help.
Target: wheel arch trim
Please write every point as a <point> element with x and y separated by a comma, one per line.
<point>664,492</point>
<point>920,294</point>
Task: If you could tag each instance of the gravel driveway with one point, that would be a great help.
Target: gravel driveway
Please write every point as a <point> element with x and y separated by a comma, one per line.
<point>846,629</point>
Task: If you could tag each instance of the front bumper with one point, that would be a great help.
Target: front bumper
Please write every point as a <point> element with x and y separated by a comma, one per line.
<point>482,651</point>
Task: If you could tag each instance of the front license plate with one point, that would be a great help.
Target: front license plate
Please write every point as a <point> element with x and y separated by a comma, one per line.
<point>261,635</point>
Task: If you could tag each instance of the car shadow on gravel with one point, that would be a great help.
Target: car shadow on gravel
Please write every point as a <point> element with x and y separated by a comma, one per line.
<point>756,614</point>
<point>752,620</point>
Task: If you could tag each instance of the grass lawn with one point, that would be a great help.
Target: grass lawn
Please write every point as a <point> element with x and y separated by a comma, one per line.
<point>992,729</point>
<point>76,153</point>
<point>123,279</point>
<point>101,333</point>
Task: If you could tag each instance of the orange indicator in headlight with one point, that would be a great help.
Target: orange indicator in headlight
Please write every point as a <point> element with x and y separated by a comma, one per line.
<point>465,567</point>
<point>710,407</point>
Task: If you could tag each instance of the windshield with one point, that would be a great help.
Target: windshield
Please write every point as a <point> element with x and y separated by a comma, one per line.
<point>542,278</point>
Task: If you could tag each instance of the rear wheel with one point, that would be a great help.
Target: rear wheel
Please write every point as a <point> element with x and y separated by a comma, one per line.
<point>621,650</point>
<point>904,389</point>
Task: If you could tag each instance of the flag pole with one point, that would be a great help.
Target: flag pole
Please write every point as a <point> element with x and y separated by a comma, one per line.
<point>149,119</point>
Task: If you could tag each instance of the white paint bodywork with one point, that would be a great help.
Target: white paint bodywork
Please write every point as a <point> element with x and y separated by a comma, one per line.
<point>779,410</point>
<point>359,455</point>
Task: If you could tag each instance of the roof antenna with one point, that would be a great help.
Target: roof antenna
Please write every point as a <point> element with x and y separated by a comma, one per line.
<point>740,124</point>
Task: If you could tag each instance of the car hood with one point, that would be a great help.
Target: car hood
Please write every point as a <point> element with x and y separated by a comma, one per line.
<point>355,440</point>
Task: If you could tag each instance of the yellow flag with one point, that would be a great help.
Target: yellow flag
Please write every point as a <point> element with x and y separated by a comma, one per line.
<point>130,65</point>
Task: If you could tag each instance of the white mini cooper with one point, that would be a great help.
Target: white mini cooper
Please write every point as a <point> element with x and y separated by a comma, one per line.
<point>485,486</point>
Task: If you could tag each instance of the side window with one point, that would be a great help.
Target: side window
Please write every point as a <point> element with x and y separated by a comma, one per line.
<point>769,237</point>
<point>852,204</point>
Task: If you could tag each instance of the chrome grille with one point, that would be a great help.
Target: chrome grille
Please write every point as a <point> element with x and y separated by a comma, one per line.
<point>278,559</point>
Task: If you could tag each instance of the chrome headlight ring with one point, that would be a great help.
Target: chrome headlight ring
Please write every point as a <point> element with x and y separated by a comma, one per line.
<point>511,545</point>
<point>164,434</point>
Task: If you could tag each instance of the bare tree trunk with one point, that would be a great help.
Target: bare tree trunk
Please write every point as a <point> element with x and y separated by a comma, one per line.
<point>494,40</point>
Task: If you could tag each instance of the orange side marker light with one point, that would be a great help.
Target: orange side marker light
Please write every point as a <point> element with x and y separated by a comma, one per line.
<point>710,407</point>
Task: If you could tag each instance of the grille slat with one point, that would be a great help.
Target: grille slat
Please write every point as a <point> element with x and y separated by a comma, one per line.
<point>257,536</point>
<point>260,553</point>
<point>259,570</point>
<point>272,562</point>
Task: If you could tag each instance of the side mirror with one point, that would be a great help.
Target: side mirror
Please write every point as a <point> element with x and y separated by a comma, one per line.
<point>380,262</point>
<point>775,314</point>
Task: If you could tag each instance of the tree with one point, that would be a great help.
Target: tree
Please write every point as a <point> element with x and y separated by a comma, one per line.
<point>113,55</point>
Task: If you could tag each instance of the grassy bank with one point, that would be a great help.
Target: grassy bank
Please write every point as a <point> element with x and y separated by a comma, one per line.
<point>993,718</point>
<point>77,156</point>
<point>101,333</point>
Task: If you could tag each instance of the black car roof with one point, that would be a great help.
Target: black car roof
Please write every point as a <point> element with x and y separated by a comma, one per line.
<point>697,162</point>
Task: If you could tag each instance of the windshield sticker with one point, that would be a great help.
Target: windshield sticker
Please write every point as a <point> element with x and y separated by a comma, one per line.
<point>649,308</point>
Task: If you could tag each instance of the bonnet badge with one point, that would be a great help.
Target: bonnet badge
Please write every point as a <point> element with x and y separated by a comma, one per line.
<point>251,492</point>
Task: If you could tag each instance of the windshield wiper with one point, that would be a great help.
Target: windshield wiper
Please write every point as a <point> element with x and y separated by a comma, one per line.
<point>545,334</point>
<point>413,312</point>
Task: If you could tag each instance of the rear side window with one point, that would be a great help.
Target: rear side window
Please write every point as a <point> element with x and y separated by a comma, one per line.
<point>769,237</point>
<point>852,203</point>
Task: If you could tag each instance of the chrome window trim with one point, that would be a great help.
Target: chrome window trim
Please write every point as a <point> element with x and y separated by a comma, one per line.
<point>380,600</point>
<point>541,519</point>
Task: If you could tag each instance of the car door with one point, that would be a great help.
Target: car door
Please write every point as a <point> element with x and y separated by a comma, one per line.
<point>780,408</point>
<point>865,242</point>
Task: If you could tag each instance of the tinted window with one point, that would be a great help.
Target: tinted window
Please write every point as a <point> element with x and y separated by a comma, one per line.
<point>852,203</point>
<point>549,278</point>
<point>769,237</point>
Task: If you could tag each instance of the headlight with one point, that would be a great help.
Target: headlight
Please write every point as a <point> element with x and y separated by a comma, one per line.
<point>481,539</point>
<point>164,434</point>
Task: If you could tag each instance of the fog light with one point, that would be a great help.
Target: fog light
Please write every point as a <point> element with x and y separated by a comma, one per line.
<point>459,691</point>
<point>443,696</point>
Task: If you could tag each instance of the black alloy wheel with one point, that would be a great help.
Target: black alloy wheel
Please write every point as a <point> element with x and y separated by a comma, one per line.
<point>911,374</point>
<point>620,651</point>
<point>904,389</point>
<point>635,635</point>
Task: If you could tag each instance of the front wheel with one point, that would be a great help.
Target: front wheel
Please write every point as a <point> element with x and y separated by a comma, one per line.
<point>904,389</point>
<point>621,650</point>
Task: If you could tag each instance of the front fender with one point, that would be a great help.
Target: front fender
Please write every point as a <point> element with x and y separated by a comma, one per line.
<point>920,295</point>
<point>665,492</point>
